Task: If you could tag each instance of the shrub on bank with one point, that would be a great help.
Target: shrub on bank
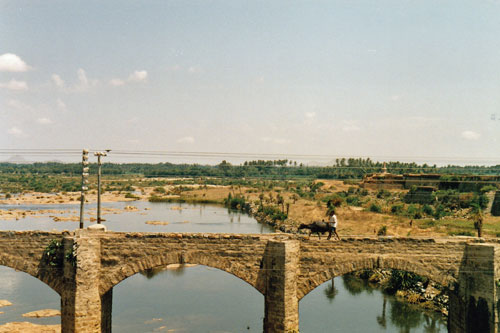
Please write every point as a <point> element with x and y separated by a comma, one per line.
<point>402,280</point>
<point>375,208</point>
<point>382,231</point>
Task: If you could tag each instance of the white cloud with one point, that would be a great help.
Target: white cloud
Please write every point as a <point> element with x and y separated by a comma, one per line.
<point>61,106</point>
<point>470,135</point>
<point>15,104</point>
<point>186,139</point>
<point>57,80</point>
<point>138,76</point>
<point>16,131</point>
<point>116,82</point>
<point>395,98</point>
<point>82,77</point>
<point>15,85</point>
<point>12,63</point>
<point>44,121</point>
<point>84,83</point>
<point>310,115</point>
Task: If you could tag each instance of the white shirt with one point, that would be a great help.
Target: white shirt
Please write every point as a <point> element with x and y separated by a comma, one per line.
<point>333,219</point>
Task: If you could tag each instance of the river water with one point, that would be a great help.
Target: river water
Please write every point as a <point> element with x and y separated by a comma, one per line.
<point>200,298</point>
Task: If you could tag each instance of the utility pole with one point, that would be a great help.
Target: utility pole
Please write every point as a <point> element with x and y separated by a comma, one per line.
<point>85,181</point>
<point>99,154</point>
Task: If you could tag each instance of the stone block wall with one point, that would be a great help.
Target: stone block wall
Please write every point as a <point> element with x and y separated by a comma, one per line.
<point>322,260</point>
<point>284,268</point>
<point>24,251</point>
<point>125,254</point>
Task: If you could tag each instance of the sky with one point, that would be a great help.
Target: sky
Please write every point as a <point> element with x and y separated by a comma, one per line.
<point>386,79</point>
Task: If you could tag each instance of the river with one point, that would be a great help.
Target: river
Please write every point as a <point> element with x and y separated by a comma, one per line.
<point>200,298</point>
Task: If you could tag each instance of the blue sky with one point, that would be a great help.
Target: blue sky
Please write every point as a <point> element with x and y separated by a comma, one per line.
<point>388,79</point>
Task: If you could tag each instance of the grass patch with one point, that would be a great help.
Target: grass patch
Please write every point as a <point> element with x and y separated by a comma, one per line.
<point>425,224</point>
<point>154,198</point>
<point>460,233</point>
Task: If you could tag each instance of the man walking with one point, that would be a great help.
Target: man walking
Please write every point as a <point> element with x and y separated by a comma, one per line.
<point>333,223</point>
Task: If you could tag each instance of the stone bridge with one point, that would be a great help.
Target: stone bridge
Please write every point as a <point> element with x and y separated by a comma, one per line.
<point>87,265</point>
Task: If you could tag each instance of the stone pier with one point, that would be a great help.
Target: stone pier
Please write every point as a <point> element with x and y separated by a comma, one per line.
<point>474,303</point>
<point>82,303</point>
<point>281,303</point>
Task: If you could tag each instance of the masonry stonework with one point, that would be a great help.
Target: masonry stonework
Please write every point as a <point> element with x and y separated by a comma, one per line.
<point>283,267</point>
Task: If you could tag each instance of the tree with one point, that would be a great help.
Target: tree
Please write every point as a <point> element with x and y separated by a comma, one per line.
<point>478,217</point>
<point>280,201</point>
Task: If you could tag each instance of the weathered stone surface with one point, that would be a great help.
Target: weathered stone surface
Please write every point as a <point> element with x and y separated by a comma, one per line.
<point>283,267</point>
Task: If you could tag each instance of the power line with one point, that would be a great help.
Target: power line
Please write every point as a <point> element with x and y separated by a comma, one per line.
<point>159,153</point>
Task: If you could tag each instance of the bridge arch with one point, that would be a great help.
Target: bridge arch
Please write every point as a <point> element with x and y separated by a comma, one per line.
<point>308,284</point>
<point>237,269</point>
<point>51,276</point>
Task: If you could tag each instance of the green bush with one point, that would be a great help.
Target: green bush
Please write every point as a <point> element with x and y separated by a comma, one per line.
<point>53,253</point>
<point>397,209</point>
<point>428,210</point>
<point>160,189</point>
<point>353,200</point>
<point>131,196</point>
<point>488,188</point>
<point>382,231</point>
<point>439,212</point>
<point>237,202</point>
<point>273,212</point>
<point>155,198</point>
<point>413,212</point>
<point>363,192</point>
<point>383,194</point>
<point>334,200</point>
<point>375,208</point>
<point>402,280</point>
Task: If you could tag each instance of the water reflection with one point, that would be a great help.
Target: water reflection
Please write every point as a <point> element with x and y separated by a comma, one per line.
<point>356,286</point>
<point>381,320</point>
<point>351,304</point>
<point>186,299</point>
<point>26,294</point>
<point>331,291</point>
<point>404,316</point>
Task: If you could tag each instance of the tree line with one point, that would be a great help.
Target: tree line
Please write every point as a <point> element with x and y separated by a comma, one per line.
<point>350,168</point>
